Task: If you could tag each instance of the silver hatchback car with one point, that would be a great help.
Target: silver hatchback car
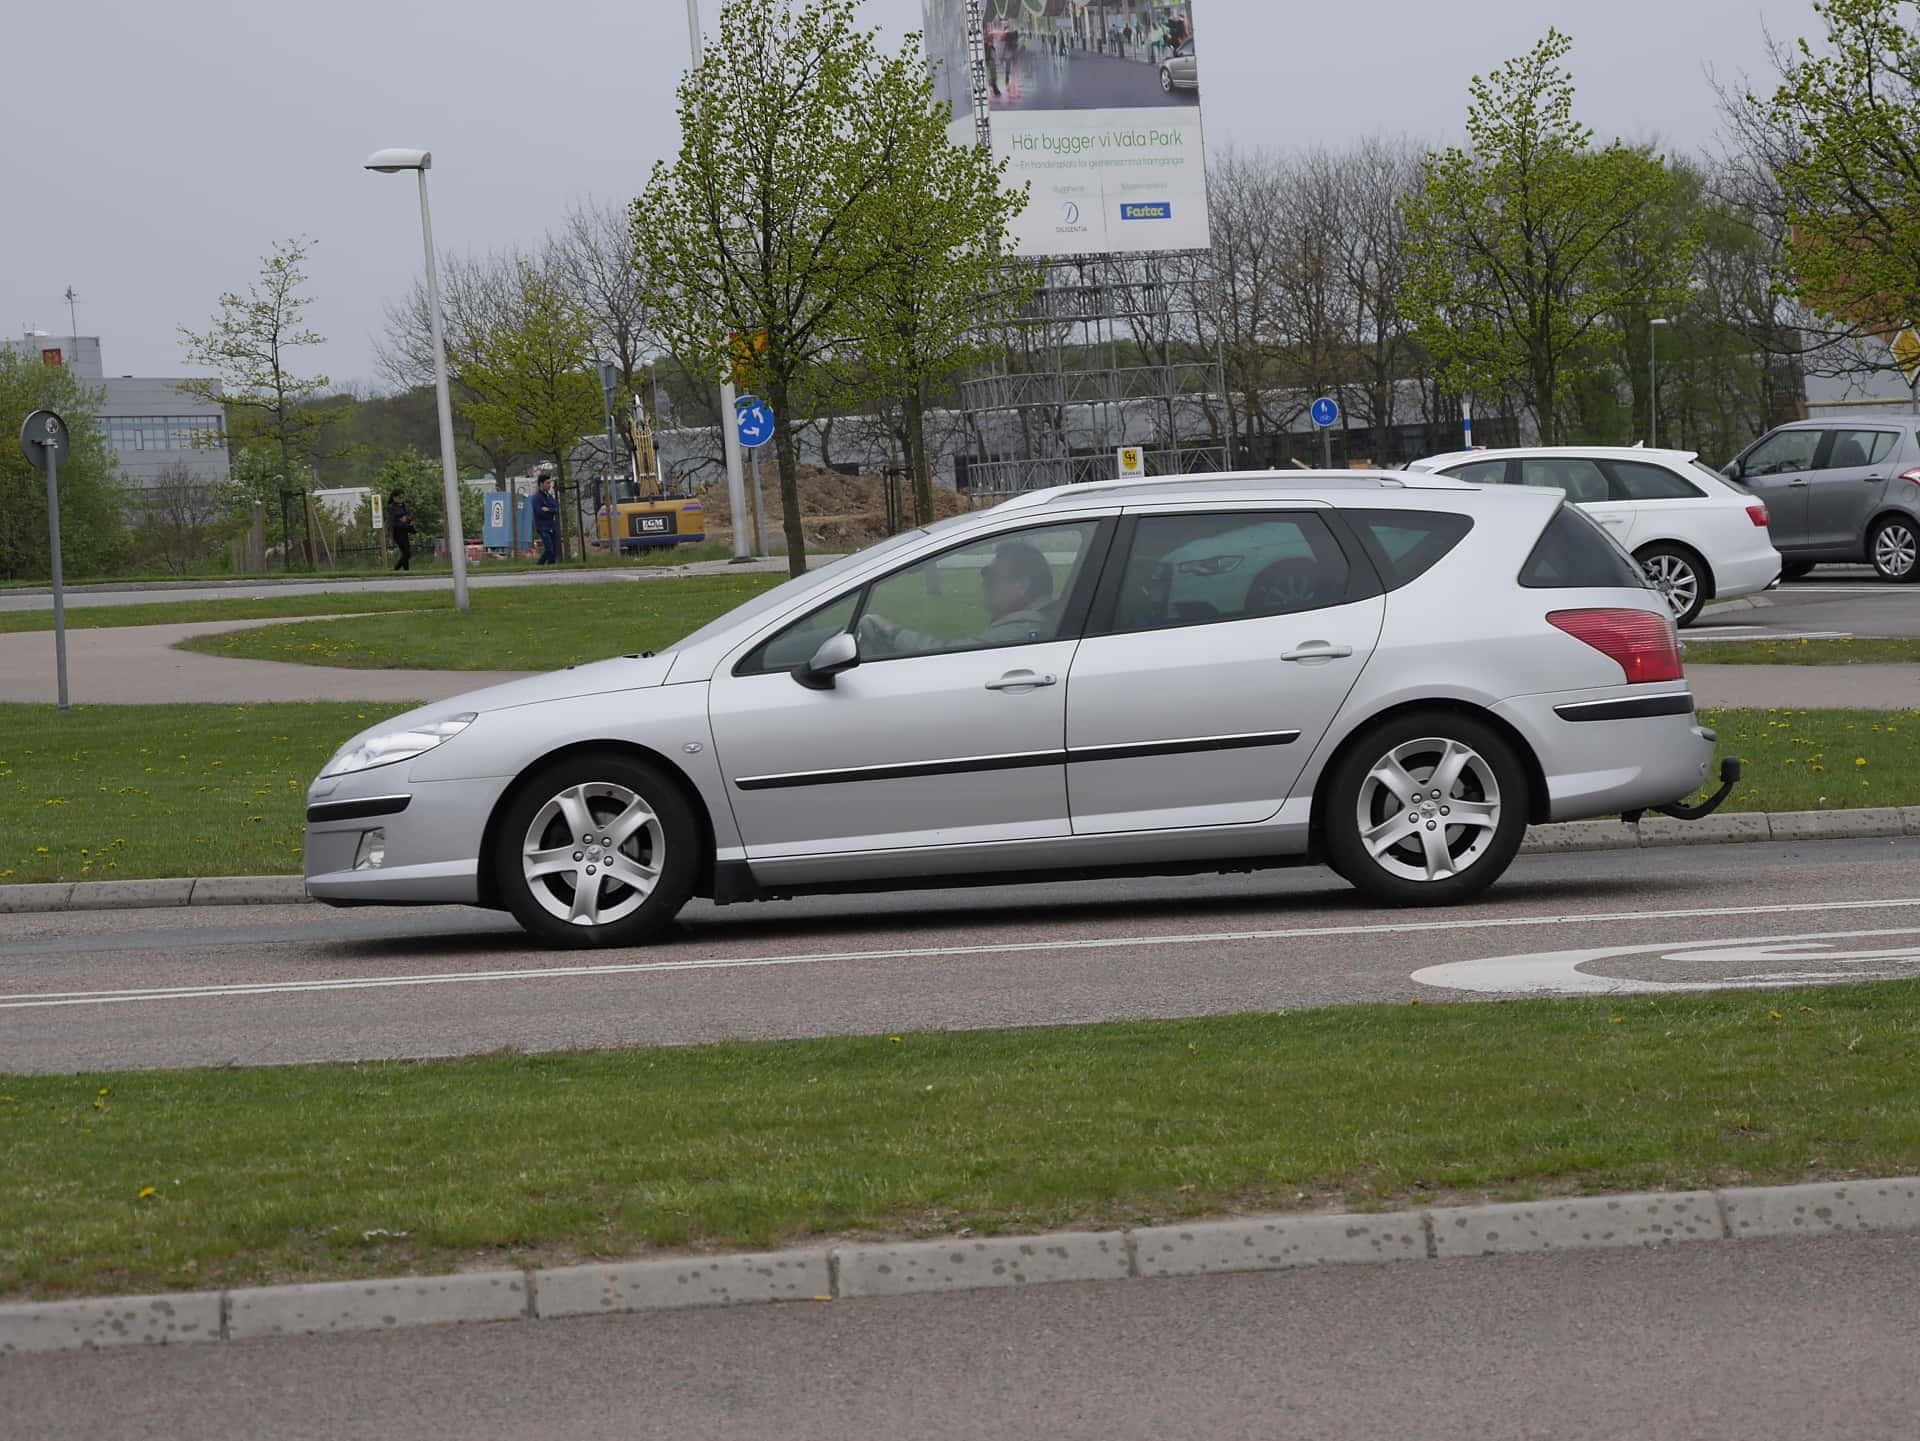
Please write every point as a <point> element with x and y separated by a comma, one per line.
<point>1390,674</point>
<point>1839,490</point>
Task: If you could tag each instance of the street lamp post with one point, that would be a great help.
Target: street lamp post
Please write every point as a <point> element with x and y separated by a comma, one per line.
<point>1654,327</point>
<point>729,435</point>
<point>392,162</point>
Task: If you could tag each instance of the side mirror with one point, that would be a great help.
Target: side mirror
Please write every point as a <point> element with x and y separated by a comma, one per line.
<point>837,652</point>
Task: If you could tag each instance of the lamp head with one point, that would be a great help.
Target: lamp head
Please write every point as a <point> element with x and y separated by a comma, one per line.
<point>391,162</point>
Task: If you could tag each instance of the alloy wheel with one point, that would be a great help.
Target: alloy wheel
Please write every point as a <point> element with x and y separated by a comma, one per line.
<point>1895,550</point>
<point>1675,579</point>
<point>1428,809</point>
<point>593,853</point>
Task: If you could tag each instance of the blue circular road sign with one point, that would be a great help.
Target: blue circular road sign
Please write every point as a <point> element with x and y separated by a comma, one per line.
<point>1325,412</point>
<point>754,419</point>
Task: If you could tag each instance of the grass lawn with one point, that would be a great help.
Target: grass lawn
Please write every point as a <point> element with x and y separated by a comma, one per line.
<point>523,628</point>
<point>148,1181</point>
<point>1859,651</point>
<point>128,792</point>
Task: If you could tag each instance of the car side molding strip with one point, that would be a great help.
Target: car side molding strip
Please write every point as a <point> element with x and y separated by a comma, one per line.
<point>1019,760</point>
<point>357,810</point>
<point>1632,708</point>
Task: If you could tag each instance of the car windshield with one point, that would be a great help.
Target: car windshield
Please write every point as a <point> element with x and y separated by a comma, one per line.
<point>781,594</point>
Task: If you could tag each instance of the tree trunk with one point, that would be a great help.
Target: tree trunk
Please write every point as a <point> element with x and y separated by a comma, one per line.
<point>917,459</point>
<point>780,393</point>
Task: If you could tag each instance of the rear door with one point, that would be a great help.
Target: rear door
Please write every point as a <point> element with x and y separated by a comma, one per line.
<point>1221,646</point>
<point>1845,488</point>
<point>1778,470</point>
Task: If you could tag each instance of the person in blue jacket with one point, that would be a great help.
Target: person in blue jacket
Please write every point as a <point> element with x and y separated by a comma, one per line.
<point>546,521</point>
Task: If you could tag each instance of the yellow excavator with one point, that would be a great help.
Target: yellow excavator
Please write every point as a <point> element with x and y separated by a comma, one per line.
<point>640,514</point>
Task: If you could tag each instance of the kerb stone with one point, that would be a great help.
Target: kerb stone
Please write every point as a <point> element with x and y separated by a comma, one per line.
<point>110,1321</point>
<point>376,1305</point>
<point>1278,1242</point>
<point>688,1281</point>
<point>965,1265</point>
<point>1823,1208</point>
<point>1575,1224</point>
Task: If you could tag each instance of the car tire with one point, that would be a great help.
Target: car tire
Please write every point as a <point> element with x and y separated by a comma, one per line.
<point>1400,849</point>
<point>1795,569</point>
<point>567,821</point>
<point>1679,575</point>
<point>1166,81</point>
<point>1894,549</point>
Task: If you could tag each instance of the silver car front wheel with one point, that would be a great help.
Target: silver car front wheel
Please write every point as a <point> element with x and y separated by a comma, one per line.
<point>1426,810</point>
<point>596,850</point>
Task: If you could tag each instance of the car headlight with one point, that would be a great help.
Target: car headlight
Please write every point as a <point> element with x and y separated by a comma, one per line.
<point>384,748</point>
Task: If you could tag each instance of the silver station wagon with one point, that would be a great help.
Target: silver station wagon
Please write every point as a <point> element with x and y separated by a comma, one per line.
<point>1389,674</point>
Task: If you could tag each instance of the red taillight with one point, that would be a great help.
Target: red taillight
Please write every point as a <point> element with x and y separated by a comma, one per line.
<point>1644,644</point>
<point>1758,515</point>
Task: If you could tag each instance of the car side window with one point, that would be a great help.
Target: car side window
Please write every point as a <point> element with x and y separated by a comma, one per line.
<point>1578,479</point>
<point>1011,589</point>
<point>1480,472</point>
<point>1781,454</point>
<point>1406,544</point>
<point>1200,569</point>
<point>1854,448</point>
<point>793,645</point>
<point>1637,480</point>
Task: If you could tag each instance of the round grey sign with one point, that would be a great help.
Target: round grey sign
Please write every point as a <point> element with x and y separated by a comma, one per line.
<point>43,436</point>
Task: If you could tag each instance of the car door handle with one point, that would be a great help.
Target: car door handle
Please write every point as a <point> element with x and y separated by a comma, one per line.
<point>1022,680</point>
<point>1801,481</point>
<point>1318,650</point>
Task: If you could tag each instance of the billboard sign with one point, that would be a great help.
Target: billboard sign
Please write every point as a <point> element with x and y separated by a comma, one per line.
<point>1096,105</point>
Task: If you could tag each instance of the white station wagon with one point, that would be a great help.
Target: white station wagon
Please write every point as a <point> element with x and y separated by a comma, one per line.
<point>1389,674</point>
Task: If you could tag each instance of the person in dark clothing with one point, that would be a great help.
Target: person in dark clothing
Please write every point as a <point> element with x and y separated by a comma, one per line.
<point>400,525</point>
<point>546,521</point>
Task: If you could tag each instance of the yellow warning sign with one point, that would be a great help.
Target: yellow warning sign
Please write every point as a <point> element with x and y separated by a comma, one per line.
<point>1906,350</point>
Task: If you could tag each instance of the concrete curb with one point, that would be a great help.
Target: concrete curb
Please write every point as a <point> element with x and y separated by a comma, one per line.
<point>1569,836</point>
<point>1262,1243</point>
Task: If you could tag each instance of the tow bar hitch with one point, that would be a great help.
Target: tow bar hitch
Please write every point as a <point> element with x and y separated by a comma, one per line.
<point>1729,778</point>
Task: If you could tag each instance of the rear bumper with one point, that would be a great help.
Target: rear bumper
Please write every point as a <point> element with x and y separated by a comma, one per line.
<point>1606,752</point>
<point>1746,574</point>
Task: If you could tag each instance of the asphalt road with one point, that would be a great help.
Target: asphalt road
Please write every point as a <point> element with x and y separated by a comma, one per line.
<point>1726,1341</point>
<point>213,986</point>
<point>1834,601</point>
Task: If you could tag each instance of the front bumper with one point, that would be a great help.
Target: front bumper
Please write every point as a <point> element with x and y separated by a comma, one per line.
<point>434,831</point>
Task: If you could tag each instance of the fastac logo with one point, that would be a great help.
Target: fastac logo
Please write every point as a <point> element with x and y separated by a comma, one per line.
<point>1147,210</point>
<point>1069,213</point>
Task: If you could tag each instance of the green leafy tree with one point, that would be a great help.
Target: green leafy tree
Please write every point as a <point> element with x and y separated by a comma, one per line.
<point>942,268</point>
<point>762,226</point>
<point>1517,243</point>
<point>93,535</point>
<point>529,373</point>
<point>249,346</point>
<point>1849,164</point>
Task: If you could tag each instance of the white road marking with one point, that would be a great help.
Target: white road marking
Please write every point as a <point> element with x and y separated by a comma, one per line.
<point>1761,632</point>
<point>1005,948</point>
<point>1558,973</point>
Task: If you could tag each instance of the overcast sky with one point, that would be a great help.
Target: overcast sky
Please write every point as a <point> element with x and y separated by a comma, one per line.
<point>156,149</point>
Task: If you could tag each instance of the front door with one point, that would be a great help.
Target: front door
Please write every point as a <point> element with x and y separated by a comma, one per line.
<point>1845,490</point>
<point>1778,470</point>
<point>950,729</point>
<point>1220,651</point>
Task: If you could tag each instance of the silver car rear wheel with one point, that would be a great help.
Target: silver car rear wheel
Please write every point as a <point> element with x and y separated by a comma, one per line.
<point>1426,809</point>
<point>1676,575</point>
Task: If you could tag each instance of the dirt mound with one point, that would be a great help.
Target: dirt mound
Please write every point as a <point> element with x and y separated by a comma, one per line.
<point>837,512</point>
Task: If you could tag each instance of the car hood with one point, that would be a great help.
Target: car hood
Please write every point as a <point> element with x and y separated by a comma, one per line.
<point>626,672</point>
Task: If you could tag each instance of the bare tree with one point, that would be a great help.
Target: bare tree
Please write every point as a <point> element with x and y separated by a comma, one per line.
<point>1377,175</point>
<point>593,255</point>
<point>179,513</point>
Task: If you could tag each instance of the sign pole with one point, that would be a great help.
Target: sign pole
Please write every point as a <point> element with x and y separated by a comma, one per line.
<point>59,594</point>
<point>759,508</point>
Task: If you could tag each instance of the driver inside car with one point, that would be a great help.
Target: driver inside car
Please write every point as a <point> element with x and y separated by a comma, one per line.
<point>1016,587</point>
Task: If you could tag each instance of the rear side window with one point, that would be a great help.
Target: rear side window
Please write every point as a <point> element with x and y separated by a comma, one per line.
<point>1480,472</point>
<point>1405,544</point>
<point>1574,554</point>
<point>1195,569</point>
<point>1854,448</point>
<point>1636,480</point>
<point>1574,476</point>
